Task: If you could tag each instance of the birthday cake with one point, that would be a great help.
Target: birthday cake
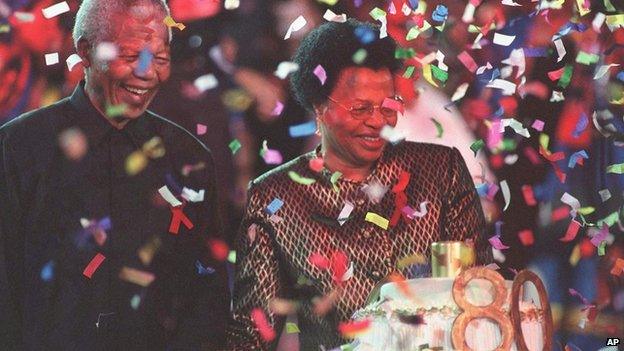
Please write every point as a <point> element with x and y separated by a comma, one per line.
<point>419,314</point>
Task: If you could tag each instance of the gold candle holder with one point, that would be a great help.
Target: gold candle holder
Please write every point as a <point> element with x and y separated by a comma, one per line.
<point>448,258</point>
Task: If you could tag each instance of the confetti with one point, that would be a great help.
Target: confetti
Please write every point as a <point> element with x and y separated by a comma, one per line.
<point>615,21</point>
<point>460,92</point>
<point>577,157</point>
<point>51,59</point>
<point>296,25</point>
<point>234,146</point>
<point>178,217</point>
<point>392,134</point>
<point>467,61</point>
<point>502,39</point>
<point>411,213</point>
<point>316,164</point>
<point>529,197</point>
<point>192,195</point>
<point>573,229</point>
<point>136,276</point>
<point>602,70</point>
<point>598,21</point>
<point>506,86</point>
<point>170,22</point>
<point>96,261</point>
<point>605,194</point>
<point>302,130</point>
<point>561,51</point>
<point>295,177</point>
<point>359,56</point>
<point>345,212</point>
<point>375,191</point>
<point>106,51</point>
<point>440,13</point>
<point>496,243</point>
<point>203,271</point>
<point>292,328</point>
<point>55,10</point>
<point>262,324</point>
<point>74,143</point>
<point>205,82</point>
<point>439,129</point>
<point>231,4</point>
<point>506,194</point>
<point>586,58</point>
<point>135,301</point>
<point>201,129</point>
<point>47,272</point>
<point>526,237</point>
<point>320,73</point>
<point>618,267</point>
<point>538,125</point>
<point>581,7</point>
<point>145,60</point>
<point>147,251</point>
<point>415,31</point>
<point>572,202</point>
<point>330,16</point>
<point>377,219</point>
<point>351,329</point>
<point>285,68</point>
<point>601,236</point>
<point>616,168</point>
<point>72,61</point>
<point>334,179</point>
<point>476,146</point>
<point>274,206</point>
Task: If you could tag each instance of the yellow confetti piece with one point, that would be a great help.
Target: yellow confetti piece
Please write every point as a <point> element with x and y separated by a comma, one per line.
<point>575,257</point>
<point>586,210</point>
<point>410,260</point>
<point>299,179</point>
<point>136,276</point>
<point>147,251</point>
<point>427,75</point>
<point>581,7</point>
<point>136,162</point>
<point>170,22</point>
<point>232,257</point>
<point>614,21</point>
<point>5,28</point>
<point>292,328</point>
<point>377,219</point>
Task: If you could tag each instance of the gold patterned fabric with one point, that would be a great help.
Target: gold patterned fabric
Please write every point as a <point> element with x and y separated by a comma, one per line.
<point>274,255</point>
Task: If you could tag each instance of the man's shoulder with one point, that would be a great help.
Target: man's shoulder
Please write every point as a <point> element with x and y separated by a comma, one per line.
<point>175,134</point>
<point>38,124</point>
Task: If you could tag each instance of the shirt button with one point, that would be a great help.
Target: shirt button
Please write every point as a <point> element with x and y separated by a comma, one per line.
<point>376,275</point>
<point>366,233</point>
<point>360,201</point>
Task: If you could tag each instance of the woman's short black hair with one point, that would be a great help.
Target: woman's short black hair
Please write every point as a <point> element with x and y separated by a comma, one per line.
<point>333,45</point>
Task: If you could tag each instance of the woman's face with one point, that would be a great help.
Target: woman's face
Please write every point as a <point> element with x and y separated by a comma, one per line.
<point>356,141</point>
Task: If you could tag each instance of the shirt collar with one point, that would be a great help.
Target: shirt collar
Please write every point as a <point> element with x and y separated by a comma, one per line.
<point>95,127</point>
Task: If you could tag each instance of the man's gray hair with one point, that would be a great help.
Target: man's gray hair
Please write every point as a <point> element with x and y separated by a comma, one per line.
<point>93,19</point>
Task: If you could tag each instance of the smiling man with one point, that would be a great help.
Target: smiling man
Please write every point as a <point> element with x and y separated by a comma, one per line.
<point>107,211</point>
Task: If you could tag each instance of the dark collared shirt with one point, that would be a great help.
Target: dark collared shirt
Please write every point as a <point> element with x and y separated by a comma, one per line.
<point>46,302</point>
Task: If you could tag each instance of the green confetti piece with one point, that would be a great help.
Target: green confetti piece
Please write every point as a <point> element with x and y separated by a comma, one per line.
<point>438,127</point>
<point>292,328</point>
<point>234,146</point>
<point>5,28</point>
<point>616,168</point>
<point>115,110</point>
<point>346,347</point>
<point>566,76</point>
<point>408,72</point>
<point>232,256</point>
<point>476,146</point>
<point>377,13</point>
<point>403,53</point>
<point>609,6</point>
<point>586,58</point>
<point>359,56</point>
<point>413,33</point>
<point>586,210</point>
<point>609,220</point>
<point>509,144</point>
<point>299,179</point>
<point>334,179</point>
<point>601,248</point>
<point>439,74</point>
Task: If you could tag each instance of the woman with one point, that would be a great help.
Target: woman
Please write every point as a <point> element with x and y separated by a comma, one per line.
<point>302,251</point>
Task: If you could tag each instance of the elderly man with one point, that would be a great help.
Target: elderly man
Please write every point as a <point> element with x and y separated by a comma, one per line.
<point>107,211</point>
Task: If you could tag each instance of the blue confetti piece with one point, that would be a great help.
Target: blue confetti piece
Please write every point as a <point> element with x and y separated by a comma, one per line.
<point>582,123</point>
<point>535,52</point>
<point>364,34</point>
<point>274,206</point>
<point>357,3</point>
<point>482,189</point>
<point>47,272</point>
<point>302,130</point>
<point>575,156</point>
<point>414,4</point>
<point>203,271</point>
<point>620,76</point>
<point>145,59</point>
<point>440,14</point>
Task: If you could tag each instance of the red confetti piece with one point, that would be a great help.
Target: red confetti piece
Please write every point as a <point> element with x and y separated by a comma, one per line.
<point>339,263</point>
<point>402,183</point>
<point>532,155</point>
<point>526,237</point>
<point>573,229</point>
<point>618,267</point>
<point>351,329</point>
<point>560,213</point>
<point>587,248</point>
<point>177,217</point>
<point>93,265</point>
<point>529,197</point>
<point>559,173</point>
<point>316,164</point>
<point>554,75</point>
<point>219,249</point>
<point>262,324</point>
<point>319,261</point>
<point>557,156</point>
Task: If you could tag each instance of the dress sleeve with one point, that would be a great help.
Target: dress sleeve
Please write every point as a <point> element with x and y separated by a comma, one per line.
<point>256,281</point>
<point>462,216</point>
<point>11,247</point>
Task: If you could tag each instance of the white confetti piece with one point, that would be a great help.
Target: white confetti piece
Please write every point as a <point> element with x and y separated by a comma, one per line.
<point>510,3</point>
<point>502,39</point>
<point>168,196</point>
<point>460,92</point>
<point>561,51</point>
<point>515,125</point>
<point>231,4</point>
<point>506,86</point>
<point>72,61</point>
<point>603,70</point>
<point>106,51</point>
<point>557,96</point>
<point>285,68</point>
<point>506,193</point>
<point>348,274</point>
<point>421,212</point>
<point>498,256</point>
<point>516,59</point>
<point>605,194</point>
<point>391,134</point>
<point>345,213</point>
<point>206,82</point>
<point>598,21</point>
<point>375,191</point>
<point>572,202</point>
<point>330,16</point>
<point>296,25</point>
<point>52,59</point>
<point>192,195</point>
<point>383,30</point>
<point>469,11</point>
<point>440,58</point>
<point>55,10</point>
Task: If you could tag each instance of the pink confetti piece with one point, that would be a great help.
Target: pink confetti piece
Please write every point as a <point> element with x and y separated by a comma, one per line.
<point>492,190</point>
<point>262,324</point>
<point>201,129</point>
<point>272,157</point>
<point>277,110</point>
<point>538,125</point>
<point>496,243</point>
<point>575,293</point>
<point>573,229</point>
<point>320,73</point>
<point>393,105</point>
<point>467,61</point>
<point>96,261</point>
<point>600,236</point>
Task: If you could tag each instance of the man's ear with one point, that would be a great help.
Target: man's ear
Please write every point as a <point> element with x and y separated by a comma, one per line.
<point>84,51</point>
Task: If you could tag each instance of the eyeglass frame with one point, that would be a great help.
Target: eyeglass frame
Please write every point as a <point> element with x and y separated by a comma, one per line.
<point>369,113</point>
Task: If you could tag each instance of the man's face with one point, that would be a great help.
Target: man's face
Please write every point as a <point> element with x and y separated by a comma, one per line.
<point>357,141</point>
<point>141,66</point>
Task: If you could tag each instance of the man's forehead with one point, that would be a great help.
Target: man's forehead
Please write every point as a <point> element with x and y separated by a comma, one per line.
<point>141,22</point>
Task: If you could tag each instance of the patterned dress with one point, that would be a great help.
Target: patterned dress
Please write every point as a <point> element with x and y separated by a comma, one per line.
<point>274,250</point>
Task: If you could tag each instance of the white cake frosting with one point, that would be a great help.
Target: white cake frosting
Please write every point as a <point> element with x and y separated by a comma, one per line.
<point>432,299</point>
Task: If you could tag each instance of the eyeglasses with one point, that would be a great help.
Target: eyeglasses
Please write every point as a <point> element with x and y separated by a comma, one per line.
<point>365,109</point>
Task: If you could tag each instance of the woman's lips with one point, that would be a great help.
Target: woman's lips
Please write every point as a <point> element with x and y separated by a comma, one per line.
<point>371,142</point>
